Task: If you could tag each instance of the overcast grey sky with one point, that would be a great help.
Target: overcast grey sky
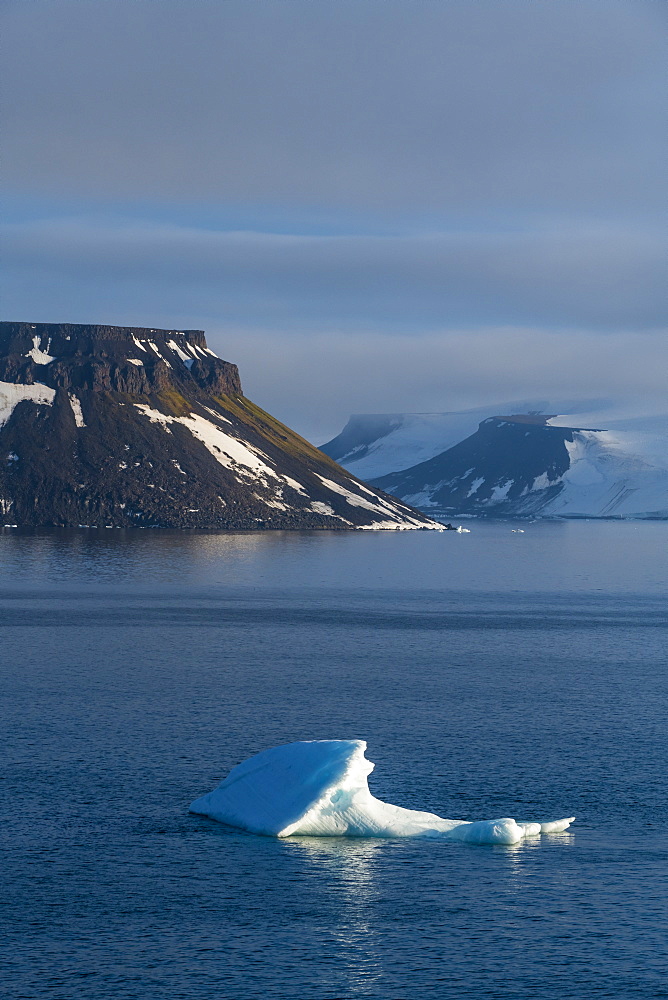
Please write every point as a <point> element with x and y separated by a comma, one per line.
<point>369,205</point>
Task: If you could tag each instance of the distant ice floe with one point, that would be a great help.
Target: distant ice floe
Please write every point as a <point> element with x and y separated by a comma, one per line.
<point>319,788</point>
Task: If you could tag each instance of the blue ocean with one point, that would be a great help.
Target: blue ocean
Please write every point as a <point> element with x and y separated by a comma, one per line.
<point>496,673</point>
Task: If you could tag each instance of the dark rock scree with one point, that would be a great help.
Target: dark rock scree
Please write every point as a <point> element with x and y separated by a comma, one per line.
<point>132,426</point>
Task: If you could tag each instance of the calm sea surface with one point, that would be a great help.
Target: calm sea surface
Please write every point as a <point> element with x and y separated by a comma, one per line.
<point>492,674</point>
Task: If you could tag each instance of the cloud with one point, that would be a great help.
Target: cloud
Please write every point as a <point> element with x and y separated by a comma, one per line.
<point>599,276</point>
<point>313,383</point>
<point>325,326</point>
<point>368,204</point>
<point>440,108</point>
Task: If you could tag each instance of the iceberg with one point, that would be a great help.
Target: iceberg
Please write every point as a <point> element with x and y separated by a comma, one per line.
<point>319,788</point>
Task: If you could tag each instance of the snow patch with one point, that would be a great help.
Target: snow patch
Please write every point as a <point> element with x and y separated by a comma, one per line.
<point>318,507</point>
<point>39,356</point>
<point>399,515</point>
<point>217,415</point>
<point>75,403</point>
<point>541,482</point>
<point>422,499</point>
<point>135,361</point>
<point>295,485</point>
<point>155,348</point>
<point>500,492</point>
<point>12,394</point>
<point>352,498</point>
<point>268,502</point>
<point>319,788</point>
<point>177,350</point>
<point>229,451</point>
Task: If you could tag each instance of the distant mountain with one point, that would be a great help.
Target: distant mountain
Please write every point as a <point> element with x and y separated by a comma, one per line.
<point>127,426</point>
<point>375,444</point>
<point>526,465</point>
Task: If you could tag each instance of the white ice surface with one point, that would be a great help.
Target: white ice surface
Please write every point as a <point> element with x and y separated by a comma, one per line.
<point>614,473</point>
<point>319,788</point>
<point>11,395</point>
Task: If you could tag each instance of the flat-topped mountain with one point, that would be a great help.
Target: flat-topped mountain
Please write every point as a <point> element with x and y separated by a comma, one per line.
<point>132,426</point>
<point>533,465</point>
<point>376,444</point>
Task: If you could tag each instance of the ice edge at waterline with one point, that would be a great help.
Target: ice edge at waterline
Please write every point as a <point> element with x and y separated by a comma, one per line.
<point>319,788</point>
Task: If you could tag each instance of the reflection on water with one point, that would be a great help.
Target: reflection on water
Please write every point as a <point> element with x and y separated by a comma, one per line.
<point>549,557</point>
<point>357,873</point>
<point>119,556</point>
<point>520,863</point>
<point>349,868</point>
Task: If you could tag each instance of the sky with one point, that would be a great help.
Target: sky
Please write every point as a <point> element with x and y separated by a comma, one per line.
<point>368,205</point>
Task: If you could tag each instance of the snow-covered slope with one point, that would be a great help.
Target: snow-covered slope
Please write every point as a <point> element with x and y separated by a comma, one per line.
<point>523,466</point>
<point>125,426</point>
<point>319,788</point>
<point>620,473</point>
<point>375,444</point>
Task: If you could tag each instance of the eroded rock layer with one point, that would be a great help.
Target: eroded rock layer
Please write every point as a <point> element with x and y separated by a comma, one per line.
<point>131,426</point>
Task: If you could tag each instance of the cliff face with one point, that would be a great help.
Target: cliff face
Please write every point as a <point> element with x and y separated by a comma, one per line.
<point>130,426</point>
<point>132,360</point>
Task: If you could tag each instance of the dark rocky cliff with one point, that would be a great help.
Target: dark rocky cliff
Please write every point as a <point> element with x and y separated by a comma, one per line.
<point>132,426</point>
<point>96,358</point>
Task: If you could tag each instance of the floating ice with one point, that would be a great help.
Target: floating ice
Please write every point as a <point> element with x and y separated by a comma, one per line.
<point>319,788</point>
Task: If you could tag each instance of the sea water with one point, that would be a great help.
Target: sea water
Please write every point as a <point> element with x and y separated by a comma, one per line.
<point>494,673</point>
